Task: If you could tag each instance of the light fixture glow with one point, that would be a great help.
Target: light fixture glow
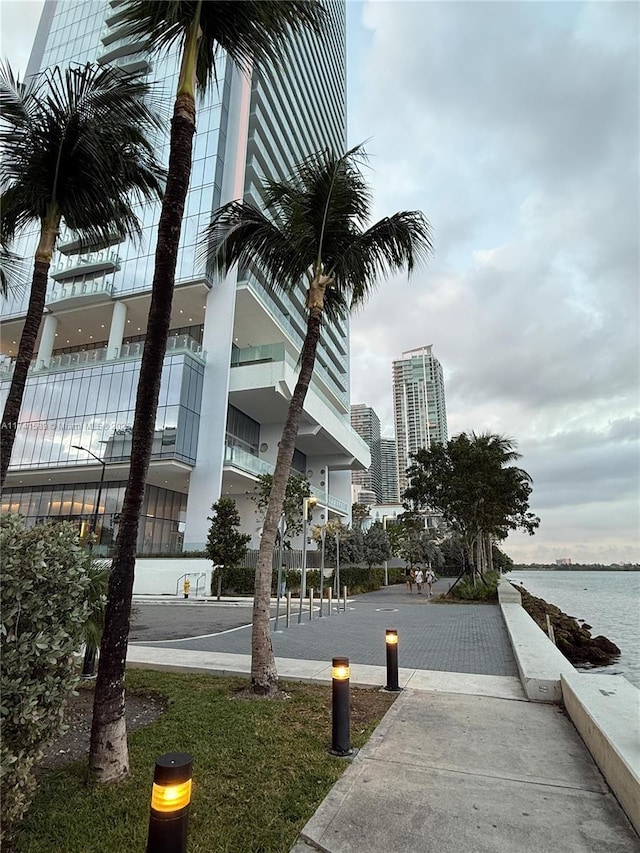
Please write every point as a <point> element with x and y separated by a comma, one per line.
<point>170,798</point>
<point>340,669</point>
<point>391,637</point>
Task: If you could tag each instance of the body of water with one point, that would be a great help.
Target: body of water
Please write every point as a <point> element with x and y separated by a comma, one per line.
<point>608,601</point>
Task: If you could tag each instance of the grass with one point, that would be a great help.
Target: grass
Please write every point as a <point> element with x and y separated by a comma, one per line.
<point>260,770</point>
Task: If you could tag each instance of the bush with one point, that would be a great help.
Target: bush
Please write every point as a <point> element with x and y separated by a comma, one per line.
<point>359,580</point>
<point>486,590</point>
<point>44,586</point>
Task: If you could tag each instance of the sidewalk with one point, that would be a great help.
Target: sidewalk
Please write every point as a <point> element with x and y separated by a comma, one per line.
<point>460,762</point>
<point>449,773</point>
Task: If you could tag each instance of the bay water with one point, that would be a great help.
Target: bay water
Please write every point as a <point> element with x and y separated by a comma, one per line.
<point>607,601</point>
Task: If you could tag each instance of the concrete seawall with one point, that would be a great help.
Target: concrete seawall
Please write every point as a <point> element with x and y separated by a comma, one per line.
<point>605,709</point>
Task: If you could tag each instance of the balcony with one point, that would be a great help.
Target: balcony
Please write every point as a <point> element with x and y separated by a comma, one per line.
<point>276,353</point>
<point>89,292</point>
<point>236,457</point>
<point>129,57</point>
<point>85,264</point>
<point>239,459</point>
<point>176,345</point>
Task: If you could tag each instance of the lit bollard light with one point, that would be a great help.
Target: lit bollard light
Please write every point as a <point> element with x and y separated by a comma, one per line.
<point>170,799</point>
<point>341,739</point>
<point>391,642</point>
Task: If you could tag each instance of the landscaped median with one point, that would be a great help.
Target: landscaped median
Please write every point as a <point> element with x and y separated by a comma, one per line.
<point>260,769</point>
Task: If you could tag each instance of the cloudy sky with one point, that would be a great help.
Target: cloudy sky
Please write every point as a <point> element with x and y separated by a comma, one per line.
<point>515,128</point>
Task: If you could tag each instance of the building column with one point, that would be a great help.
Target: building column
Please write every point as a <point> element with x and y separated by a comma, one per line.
<point>47,338</point>
<point>206,478</point>
<point>116,331</point>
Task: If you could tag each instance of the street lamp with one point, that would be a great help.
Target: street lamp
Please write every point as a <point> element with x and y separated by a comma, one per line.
<point>386,562</point>
<point>94,521</point>
<point>307,503</point>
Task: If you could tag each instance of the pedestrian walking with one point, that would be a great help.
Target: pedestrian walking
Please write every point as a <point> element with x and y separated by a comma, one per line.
<point>419,580</point>
<point>410,576</point>
<point>430,579</point>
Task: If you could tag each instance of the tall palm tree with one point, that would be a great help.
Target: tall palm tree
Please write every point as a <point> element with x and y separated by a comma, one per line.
<point>315,229</point>
<point>251,30</point>
<point>75,152</point>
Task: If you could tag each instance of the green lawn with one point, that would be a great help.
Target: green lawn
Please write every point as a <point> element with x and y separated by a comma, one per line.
<point>260,769</point>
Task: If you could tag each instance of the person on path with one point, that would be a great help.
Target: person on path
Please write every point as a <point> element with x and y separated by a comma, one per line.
<point>430,579</point>
<point>410,575</point>
<point>419,580</point>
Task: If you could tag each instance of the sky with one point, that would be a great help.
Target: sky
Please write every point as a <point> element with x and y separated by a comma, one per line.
<point>514,127</point>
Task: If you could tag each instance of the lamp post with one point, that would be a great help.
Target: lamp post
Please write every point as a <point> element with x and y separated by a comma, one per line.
<point>94,521</point>
<point>170,800</point>
<point>307,503</point>
<point>386,562</point>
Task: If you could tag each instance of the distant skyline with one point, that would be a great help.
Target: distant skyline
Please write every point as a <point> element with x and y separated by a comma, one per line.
<point>514,127</point>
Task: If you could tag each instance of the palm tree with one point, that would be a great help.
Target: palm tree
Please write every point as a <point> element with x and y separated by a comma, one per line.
<point>251,30</point>
<point>76,153</point>
<point>314,229</point>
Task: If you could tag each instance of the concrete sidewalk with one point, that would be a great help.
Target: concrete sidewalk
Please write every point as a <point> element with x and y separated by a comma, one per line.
<point>449,773</point>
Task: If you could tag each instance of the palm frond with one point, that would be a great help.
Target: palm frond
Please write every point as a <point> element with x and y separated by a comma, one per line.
<point>81,144</point>
<point>316,220</point>
<point>393,243</point>
<point>241,234</point>
<point>250,30</point>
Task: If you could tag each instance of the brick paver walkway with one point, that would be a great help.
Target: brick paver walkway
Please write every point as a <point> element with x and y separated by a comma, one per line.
<point>450,637</point>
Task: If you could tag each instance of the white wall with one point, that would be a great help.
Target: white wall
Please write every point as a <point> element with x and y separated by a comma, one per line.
<point>161,577</point>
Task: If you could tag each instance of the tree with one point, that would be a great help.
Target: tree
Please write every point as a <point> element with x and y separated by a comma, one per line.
<point>298,488</point>
<point>377,547</point>
<point>313,230</point>
<point>226,546</point>
<point>359,513</point>
<point>478,493</point>
<point>248,31</point>
<point>75,152</point>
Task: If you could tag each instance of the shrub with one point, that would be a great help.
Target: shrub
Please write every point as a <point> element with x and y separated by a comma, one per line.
<point>358,580</point>
<point>45,586</point>
<point>486,590</point>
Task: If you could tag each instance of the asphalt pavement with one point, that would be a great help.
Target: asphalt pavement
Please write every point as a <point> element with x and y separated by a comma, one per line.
<point>468,638</point>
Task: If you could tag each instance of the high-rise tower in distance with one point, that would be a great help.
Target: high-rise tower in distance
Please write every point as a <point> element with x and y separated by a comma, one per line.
<point>389,471</point>
<point>233,347</point>
<point>419,406</point>
<point>367,424</point>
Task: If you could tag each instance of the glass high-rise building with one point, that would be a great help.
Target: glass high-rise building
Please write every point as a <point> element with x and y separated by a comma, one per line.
<point>420,412</point>
<point>231,362</point>
<point>389,471</point>
<point>367,424</point>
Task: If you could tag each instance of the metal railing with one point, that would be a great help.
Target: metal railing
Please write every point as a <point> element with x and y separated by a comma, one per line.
<point>86,358</point>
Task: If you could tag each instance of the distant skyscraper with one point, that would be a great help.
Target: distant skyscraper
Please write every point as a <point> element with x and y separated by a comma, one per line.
<point>367,424</point>
<point>389,470</point>
<point>419,406</point>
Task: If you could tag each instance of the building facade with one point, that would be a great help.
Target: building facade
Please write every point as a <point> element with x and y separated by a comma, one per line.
<point>389,471</point>
<point>367,424</point>
<point>231,362</point>
<point>419,406</point>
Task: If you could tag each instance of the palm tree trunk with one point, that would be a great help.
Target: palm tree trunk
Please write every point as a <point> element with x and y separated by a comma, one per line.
<point>35,310</point>
<point>109,759</point>
<point>264,676</point>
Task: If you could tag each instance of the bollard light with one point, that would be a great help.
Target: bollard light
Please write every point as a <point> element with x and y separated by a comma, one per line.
<point>170,799</point>
<point>391,642</point>
<point>341,738</point>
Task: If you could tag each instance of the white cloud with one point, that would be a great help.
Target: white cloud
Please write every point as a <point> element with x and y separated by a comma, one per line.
<point>514,126</point>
